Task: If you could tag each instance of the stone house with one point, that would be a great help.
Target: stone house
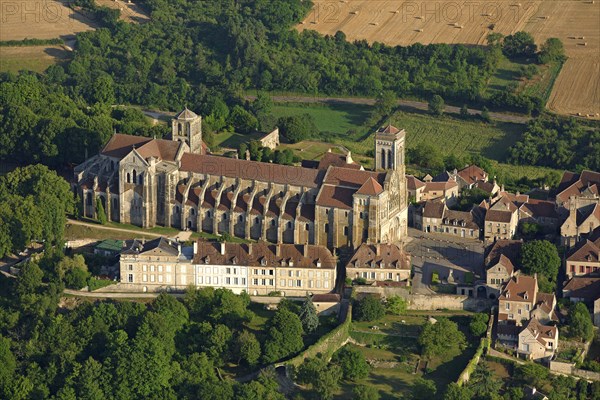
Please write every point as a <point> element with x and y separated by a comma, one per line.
<point>446,191</point>
<point>519,301</point>
<point>584,258</point>
<point>326,303</point>
<point>582,288</point>
<point>435,217</point>
<point>379,262</point>
<point>501,219</point>
<point>537,341</point>
<point>149,182</point>
<point>470,176</point>
<point>415,188</point>
<point>578,200</point>
<point>156,265</point>
<point>541,212</point>
<point>254,268</point>
<point>500,261</point>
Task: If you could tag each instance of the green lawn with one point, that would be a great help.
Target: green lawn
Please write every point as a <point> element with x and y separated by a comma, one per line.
<point>506,75</point>
<point>335,118</point>
<point>396,342</point>
<point>233,139</point>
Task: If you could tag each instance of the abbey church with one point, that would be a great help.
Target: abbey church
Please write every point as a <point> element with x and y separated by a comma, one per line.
<point>176,183</point>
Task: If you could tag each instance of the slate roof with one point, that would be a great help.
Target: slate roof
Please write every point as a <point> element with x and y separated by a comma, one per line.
<point>161,243</point>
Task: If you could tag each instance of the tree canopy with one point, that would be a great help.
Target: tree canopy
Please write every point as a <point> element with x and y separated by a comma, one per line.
<point>442,339</point>
<point>541,257</point>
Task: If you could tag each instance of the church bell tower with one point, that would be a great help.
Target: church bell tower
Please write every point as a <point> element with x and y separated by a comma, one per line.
<point>187,128</point>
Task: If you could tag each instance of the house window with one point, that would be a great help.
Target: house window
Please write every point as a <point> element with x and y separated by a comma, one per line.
<point>130,278</point>
<point>144,278</point>
<point>508,306</point>
<point>345,231</point>
<point>130,267</point>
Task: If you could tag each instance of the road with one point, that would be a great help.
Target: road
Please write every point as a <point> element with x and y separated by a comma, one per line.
<point>408,104</point>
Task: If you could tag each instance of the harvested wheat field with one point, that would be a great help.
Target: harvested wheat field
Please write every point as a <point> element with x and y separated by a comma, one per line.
<point>577,89</point>
<point>575,22</point>
<point>40,19</point>
<point>32,58</point>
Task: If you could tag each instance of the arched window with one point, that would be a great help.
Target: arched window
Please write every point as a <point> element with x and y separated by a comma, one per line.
<point>179,128</point>
<point>390,160</point>
<point>272,222</point>
<point>128,178</point>
<point>89,199</point>
<point>241,218</point>
<point>256,221</point>
<point>134,176</point>
<point>115,205</point>
<point>141,178</point>
<point>382,158</point>
<point>192,211</point>
<point>188,127</point>
<point>176,209</point>
<point>112,165</point>
<point>224,217</point>
<point>289,224</point>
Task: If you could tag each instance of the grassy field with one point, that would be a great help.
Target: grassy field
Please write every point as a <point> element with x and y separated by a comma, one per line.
<point>394,353</point>
<point>32,58</point>
<point>233,139</point>
<point>334,119</point>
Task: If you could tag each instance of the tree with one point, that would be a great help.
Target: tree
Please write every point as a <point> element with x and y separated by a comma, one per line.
<point>8,362</point>
<point>396,305</point>
<point>76,278</point>
<point>521,44</point>
<point>308,316</point>
<point>423,389</point>
<point>552,50</point>
<point>284,336</point>
<point>464,111</point>
<point>442,339</point>
<point>247,348</point>
<point>580,322</point>
<point>297,127</point>
<point>478,325</point>
<point>385,103</point>
<point>425,155</point>
<point>485,115</point>
<point>541,257</point>
<point>353,363</point>
<point>368,308</point>
<point>532,374</point>
<point>483,382</point>
<point>436,105</point>
<point>242,150</point>
<point>365,392</point>
<point>324,379</point>
<point>242,120</point>
<point>456,392</point>
<point>100,213</point>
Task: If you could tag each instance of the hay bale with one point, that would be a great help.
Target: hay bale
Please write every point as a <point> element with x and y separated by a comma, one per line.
<point>354,12</point>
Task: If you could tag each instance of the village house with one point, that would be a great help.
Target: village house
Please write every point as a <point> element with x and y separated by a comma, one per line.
<point>537,341</point>
<point>519,301</point>
<point>326,303</point>
<point>578,200</point>
<point>435,217</point>
<point>415,188</point>
<point>500,260</point>
<point>501,219</point>
<point>379,262</point>
<point>584,258</point>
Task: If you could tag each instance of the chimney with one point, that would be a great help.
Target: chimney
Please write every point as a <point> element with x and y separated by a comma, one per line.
<point>250,249</point>
<point>223,248</point>
<point>378,249</point>
<point>278,249</point>
<point>195,248</point>
<point>305,248</point>
<point>179,248</point>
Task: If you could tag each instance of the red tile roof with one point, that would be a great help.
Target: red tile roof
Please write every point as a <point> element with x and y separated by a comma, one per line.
<point>498,216</point>
<point>472,174</point>
<point>161,149</point>
<point>370,188</point>
<point>250,170</point>
<point>585,251</point>
<point>583,287</point>
<point>414,183</point>
<point>573,184</point>
<point>519,286</point>
<point>434,209</point>
<point>351,178</point>
<point>429,186</point>
<point>120,145</point>
<point>508,248</point>
<point>335,196</point>
<point>326,298</point>
<point>336,160</point>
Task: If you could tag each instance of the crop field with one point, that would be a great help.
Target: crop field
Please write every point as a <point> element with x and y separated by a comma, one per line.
<point>402,22</point>
<point>48,19</point>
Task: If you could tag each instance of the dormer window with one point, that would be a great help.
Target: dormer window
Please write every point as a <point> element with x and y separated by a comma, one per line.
<point>283,263</point>
<point>291,263</point>
<point>263,261</point>
<point>234,260</point>
<point>318,264</point>
<point>206,260</point>
<point>525,296</point>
